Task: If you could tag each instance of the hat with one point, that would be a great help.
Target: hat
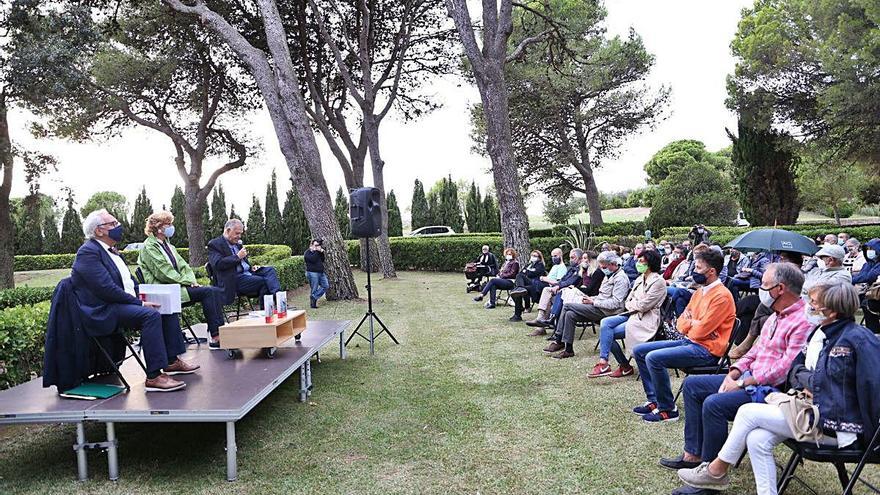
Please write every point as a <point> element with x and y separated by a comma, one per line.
<point>833,251</point>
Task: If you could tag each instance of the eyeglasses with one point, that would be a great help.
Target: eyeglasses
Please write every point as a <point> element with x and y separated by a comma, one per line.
<point>114,223</point>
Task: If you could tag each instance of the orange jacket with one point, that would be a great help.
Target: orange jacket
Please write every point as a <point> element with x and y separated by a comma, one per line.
<point>708,319</point>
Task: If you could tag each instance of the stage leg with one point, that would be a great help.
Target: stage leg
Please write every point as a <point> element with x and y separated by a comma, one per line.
<point>112,457</point>
<point>303,383</point>
<point>82,463</point>
<point>231,452</point>
<point>342,344</point>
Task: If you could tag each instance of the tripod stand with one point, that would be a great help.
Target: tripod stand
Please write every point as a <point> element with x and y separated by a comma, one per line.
<point>370,314</point>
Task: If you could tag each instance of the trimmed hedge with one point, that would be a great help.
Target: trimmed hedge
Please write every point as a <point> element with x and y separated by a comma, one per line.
<point>724,235</point>
<point>20,296</point>
<point>22,333</point>
<point>261,254</point>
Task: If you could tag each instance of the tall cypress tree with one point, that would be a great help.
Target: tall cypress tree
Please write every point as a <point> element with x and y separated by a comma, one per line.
<point>395,221</point>
<point>29,228</point>
<point>218,210</point>
<point>765,169</point>
<point>274,229</point>
<point>71,228</point>
<point>419,207</point>
<point>450,208</point>
<point>178,209</point>
<point>296,226</point>
<point>256,227</point>
<point>491,214</point>
<point>340,209</point>
<point>206,221</point>
<point>473,209</point>
<point>232,213</point>
<point>51,238</point>
<point>434,216</point>
<point>142,209</point>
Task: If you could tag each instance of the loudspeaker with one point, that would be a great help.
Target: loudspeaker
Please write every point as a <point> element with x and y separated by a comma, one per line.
<point>365,212</point>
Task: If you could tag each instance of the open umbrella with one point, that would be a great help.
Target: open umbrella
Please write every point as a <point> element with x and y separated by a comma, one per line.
<point>773,240</point>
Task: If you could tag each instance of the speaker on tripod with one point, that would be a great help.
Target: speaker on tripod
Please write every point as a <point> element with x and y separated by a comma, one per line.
<point>365,215</point>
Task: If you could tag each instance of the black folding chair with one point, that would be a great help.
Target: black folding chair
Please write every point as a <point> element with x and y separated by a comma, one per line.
<point>193,339</point>
<point>114,364</point>
<point>838,457</point>
<point>723,365</point>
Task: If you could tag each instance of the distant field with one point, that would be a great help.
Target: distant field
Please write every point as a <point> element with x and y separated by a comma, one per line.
<point>40,278</point>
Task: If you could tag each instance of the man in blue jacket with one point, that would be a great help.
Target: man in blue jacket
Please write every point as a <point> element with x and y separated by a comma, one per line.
<point>108,299</point>
<point>233,270</point>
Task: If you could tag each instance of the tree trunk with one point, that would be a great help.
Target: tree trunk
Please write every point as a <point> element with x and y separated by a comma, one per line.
<point>7,248</point>
<point>195,228</point>
<point>592,193</point>
<point>836,214</point>
<point>384,247</point>
<point>499,145</point>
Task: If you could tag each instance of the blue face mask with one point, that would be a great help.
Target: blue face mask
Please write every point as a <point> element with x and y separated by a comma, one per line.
<point>699,278</point>
<point>115,233</point>
<point>169,231</point>
<point>607,272</point>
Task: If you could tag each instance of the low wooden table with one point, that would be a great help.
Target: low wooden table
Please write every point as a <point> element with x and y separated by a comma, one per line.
<point>255,333</point>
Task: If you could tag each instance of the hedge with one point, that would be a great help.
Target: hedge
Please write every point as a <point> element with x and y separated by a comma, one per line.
<point>20,296</point>
<point>262,254</point>
<point>22,332</point>
<point>723,235</point>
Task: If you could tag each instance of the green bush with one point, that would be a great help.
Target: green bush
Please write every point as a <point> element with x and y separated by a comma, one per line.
<point>291,272</point>
<point>20,296</point>
<point>695,193</point>
<point>22,333</point>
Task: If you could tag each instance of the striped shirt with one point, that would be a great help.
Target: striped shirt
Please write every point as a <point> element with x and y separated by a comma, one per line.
<point>782,338</point>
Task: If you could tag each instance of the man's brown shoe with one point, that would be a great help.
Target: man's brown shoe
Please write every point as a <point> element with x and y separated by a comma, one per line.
<point>563,354</point>
<point>163,383</point>
<point>538,332</point>
<point>180,367</point>
<point>553,347</point>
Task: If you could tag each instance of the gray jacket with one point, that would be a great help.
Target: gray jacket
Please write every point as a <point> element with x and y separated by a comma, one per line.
<point>827,276</point>
<point>612,293</point>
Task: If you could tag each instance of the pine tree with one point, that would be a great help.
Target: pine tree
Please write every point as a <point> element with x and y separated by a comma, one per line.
<point>274,228</point>
<point>218,210</point>
<point>143,208</point>
<point>178,209</point>
<point>420,214</point>
<point>340,209</point>
<point>473,209</point>
<point>395,221</point>
<point>51,238</point>
<point>256,226</point>
<point>295,224</point>
<point>29,228</point>
<point>71,228</point>
<point>491,215</point>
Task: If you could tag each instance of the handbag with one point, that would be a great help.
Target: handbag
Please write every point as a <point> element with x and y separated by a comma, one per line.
<point>800,413</point>
<point>873,292</point>
<point>470,268</point>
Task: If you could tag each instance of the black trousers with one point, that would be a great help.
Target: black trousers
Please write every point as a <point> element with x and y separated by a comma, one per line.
<point>212,305</point>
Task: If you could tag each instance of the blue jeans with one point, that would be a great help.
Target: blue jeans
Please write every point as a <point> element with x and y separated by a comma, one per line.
<point>611,329</point>
<point>680,298</point>
<point>318,283</point>
<point>556,306</point>
<point>653,358</point>
<point>706,413</point>
<point>496,284</point>
<point>737,284</point>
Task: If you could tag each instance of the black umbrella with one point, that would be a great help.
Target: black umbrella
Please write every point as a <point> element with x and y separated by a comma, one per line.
<point>773,240</point>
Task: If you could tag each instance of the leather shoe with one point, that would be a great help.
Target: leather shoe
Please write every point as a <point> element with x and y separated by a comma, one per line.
<point>553,347</point>
<point>677,463</point>
<point>563,354</point>
<point>535,323</point>
<point>163,383</point>
<point>537,332</point>
<point>180,367</point>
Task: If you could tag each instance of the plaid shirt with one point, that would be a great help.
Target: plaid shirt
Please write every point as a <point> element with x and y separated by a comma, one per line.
<point>782,338</point>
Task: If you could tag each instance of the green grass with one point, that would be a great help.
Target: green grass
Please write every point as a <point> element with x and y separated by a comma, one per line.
<point>40,278</point>
<point>466,404</point>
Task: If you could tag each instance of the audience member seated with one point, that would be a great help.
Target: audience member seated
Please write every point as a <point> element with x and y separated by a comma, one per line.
<point>842,238</point>
<point>556,273</point>
<point>161,264</point>
<point>666,250</point>
<point>750,276</point>
<point>710,401</point>
<point>108,299</point>
<point>591,279</point>
<point>639,322</point>
<point>706,324</point>
<point>486,266</point>
<point>591,275</point>
<point>232,269</point>
<point>681,288</point>
<point>854,259</point>
<point>629,266</point>
<point>871,269</point>
<point>524,280</point>
<point>829,269</point>
<point>572,277</point>
<point>838,370</point>
<point>504,280</point>
<point>735,261</point>
<point>678,264</point>
<point>609,301</point>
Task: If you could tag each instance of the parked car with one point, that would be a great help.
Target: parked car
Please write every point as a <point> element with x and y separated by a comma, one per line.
<point>134,246</point>
<point>431,230</point>
<point>741,220</point>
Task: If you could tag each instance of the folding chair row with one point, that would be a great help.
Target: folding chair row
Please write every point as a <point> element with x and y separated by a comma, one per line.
<point>723,365</point>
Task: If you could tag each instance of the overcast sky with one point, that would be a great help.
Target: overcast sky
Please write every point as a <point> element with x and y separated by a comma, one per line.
<point>689,38</point>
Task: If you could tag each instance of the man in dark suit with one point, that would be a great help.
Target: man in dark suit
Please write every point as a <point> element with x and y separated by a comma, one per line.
<point>232,269</point>
<point>108,299</point>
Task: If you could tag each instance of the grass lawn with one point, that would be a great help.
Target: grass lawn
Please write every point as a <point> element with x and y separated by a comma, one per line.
<point>466,404</point>
<point>40,278</point>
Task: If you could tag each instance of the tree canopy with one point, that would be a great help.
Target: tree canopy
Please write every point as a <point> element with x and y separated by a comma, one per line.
<point>679,154</point>
<point>695,193</point>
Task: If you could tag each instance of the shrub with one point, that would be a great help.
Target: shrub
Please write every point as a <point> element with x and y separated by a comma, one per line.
<point>20,296</point>
<point>697,193</point>
<point>22,333</point>
<point>292,272</point>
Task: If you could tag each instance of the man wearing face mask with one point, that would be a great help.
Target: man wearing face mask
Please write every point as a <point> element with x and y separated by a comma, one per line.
<point>161,264</point>
<point>854,259</point>
<point>713,400</point>
<point>572,277</point>
<point>629,267</point>
<point>108,298</point>
<point>829,269</point>
<point>609,301</point>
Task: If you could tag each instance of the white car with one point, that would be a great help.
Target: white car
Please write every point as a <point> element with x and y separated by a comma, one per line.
<point>741,220</point>
<point>431,230</point>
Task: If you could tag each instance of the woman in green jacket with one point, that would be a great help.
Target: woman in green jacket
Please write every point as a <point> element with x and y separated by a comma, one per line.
<point>161,264</point>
